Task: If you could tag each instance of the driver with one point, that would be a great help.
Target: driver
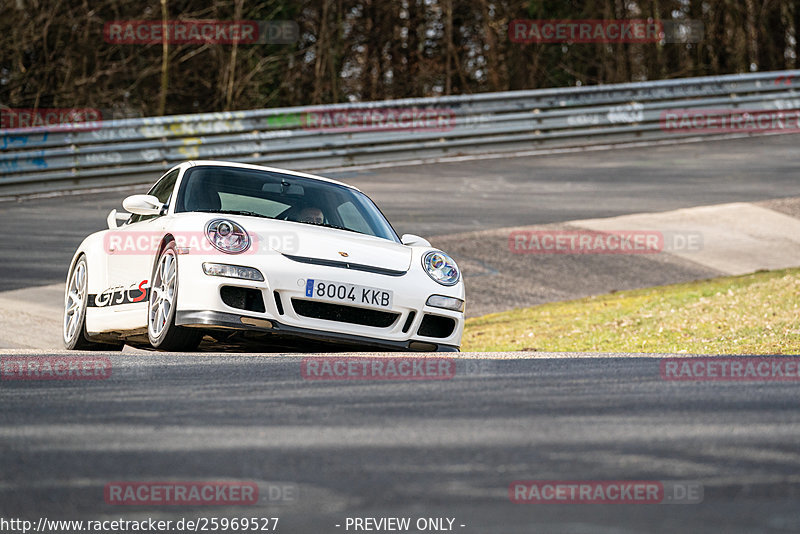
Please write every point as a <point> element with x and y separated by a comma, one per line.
<point>311,215</point>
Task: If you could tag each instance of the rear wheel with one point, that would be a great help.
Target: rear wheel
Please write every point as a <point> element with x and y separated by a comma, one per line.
<point>161,329</point>
<point>75,301</point>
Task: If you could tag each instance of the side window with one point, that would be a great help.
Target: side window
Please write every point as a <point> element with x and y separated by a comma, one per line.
<point>161,191</point>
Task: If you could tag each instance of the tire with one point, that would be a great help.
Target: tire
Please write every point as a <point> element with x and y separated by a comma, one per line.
<point>73,331</point>
<point>161,329</point>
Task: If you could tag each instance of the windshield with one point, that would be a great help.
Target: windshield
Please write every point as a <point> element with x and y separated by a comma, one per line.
<point>273,195</point>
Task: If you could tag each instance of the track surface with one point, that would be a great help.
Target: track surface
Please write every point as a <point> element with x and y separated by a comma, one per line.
<point>412,448</point>
<point>39,236</point>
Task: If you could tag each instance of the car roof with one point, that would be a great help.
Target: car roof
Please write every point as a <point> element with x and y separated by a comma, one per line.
<point>197,163</point>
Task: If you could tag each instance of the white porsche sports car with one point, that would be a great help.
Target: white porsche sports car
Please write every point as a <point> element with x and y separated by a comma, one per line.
<point>225,249</point>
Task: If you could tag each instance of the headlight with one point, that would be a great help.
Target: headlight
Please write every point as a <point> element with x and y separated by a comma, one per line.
<point>233,271</point>
<point>227,236</point>
<point>441,268</point>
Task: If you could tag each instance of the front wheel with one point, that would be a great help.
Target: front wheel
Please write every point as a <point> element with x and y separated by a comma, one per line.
<point>75,301</point>
<point>161,329</point>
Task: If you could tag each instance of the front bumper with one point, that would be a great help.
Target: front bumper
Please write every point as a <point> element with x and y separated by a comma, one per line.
<point>201,304</point>
<point>215,319</point>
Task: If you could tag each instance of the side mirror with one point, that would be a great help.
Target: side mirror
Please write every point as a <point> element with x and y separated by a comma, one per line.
<point>414,240</point>
<point>142,205</point>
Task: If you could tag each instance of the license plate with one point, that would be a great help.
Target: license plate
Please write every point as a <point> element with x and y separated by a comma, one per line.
<point>348,293</point>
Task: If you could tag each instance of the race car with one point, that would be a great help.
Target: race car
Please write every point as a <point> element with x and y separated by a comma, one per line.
<point>223,249</point>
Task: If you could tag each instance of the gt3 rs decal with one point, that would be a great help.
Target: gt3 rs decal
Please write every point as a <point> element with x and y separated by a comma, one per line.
<point>118,295</point>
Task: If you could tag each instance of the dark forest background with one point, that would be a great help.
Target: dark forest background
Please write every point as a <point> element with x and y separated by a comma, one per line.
<point>53,54</point>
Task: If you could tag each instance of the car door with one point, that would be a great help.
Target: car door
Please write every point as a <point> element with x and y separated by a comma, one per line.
<point>130,255</point>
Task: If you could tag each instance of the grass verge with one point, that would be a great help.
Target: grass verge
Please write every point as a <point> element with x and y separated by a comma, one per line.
<point>757,313</point>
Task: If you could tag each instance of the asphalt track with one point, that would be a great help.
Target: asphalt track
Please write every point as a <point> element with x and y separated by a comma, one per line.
<point>413,448</point>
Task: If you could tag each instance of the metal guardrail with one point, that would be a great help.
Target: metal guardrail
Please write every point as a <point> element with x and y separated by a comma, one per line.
<point>127,151</point>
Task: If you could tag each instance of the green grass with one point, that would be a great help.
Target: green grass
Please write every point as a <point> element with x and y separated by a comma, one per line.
<point>757,313</point>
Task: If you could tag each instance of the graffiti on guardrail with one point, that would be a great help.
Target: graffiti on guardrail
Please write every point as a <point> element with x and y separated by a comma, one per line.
<point>104,157</point>
<point>176,129</point>
<point>584,119</point>
<point>18,163</point>
<point>644,92</point>
<point>112,134</point>
<point>786,104</point>
<point>151,154</point>
<point>198,149</point>
<point>20,141</point>
<point>626,113</point>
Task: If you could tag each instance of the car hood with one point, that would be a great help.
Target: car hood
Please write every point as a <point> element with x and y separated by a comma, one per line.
<point>305,242</point>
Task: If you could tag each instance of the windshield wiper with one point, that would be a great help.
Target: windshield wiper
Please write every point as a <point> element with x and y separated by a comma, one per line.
<point>238,212</point>
<point>328,225</point>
